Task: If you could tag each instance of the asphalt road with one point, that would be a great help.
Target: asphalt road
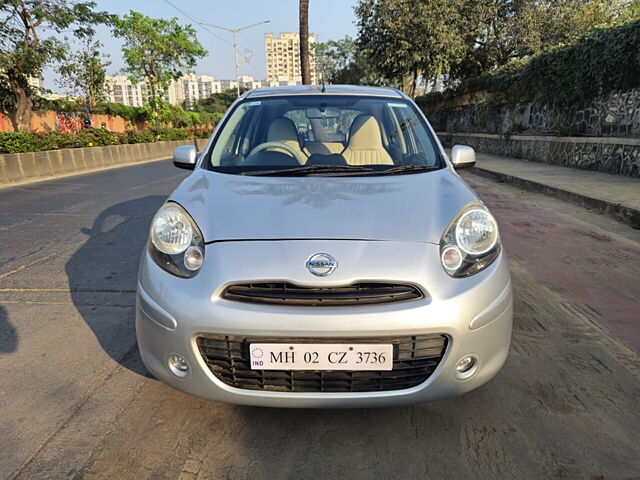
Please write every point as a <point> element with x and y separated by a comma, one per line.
<point>76,402</point>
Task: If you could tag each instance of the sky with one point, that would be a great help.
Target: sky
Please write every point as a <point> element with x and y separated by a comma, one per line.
<point>328,19</point>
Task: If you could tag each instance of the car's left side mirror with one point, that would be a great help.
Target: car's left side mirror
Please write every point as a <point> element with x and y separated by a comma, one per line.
<point>462,156</point>
<point>185,157</point>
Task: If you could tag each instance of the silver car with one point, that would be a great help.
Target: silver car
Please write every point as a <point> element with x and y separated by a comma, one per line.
<point>324,253</point>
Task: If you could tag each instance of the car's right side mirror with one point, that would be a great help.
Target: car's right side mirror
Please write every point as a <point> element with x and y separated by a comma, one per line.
<point>462,156</point>
<point>185,157</point>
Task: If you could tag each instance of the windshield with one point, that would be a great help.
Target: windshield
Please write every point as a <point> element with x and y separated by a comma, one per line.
<point>323,134</point>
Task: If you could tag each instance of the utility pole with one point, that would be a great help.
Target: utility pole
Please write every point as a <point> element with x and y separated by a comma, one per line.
<point>235,32</point>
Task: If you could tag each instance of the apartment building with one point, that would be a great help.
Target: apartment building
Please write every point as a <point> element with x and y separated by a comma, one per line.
<point>187,89</point>
<point>207,86</point>
<point>121,90</point>
<point>283,58</point>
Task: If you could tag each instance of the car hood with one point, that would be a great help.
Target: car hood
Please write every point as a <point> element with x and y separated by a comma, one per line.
<point>413,207</point>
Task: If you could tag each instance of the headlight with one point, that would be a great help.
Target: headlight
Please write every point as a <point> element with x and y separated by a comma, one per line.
<point>470,243</point>
<point>175,241</point>
<point>171,230</point>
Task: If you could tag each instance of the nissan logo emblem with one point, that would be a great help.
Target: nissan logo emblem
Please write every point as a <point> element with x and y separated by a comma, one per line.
<point>321,264</point>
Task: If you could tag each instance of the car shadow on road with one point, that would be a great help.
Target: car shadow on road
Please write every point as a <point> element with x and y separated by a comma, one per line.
<point>102,276</point>
<point>8,333</point>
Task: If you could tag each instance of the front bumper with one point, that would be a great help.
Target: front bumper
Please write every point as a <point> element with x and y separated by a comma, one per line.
<point>475,314</point>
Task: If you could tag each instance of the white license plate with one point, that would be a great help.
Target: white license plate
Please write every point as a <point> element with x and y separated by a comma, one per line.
<point>321,356</point>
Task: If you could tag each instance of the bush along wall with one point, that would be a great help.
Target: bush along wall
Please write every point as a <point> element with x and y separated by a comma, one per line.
<point>602,64</point>
<point>18,142</point>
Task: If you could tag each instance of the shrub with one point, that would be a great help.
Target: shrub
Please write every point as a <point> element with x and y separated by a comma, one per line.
<point>135,136</point>
<point>167,133</point>
<point>600,62</point>
<point>133,114</point>
<point>19,142</point>
<point>95,137</point>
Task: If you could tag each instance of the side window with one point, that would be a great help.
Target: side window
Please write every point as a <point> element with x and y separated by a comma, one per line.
<point>413,135</point>
<point>407,126</point>
<point>392,129</point>
<point>230,144</point>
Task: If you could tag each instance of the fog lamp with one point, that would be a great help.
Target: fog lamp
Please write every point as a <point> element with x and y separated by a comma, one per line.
<point>178,365</point>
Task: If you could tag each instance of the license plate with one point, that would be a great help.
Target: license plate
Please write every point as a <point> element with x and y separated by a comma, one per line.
<point>321,356</point>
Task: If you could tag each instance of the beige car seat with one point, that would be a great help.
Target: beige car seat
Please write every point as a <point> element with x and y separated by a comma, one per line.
<point>284,131</point>
<point>324,148</point>
<point>365,143</point>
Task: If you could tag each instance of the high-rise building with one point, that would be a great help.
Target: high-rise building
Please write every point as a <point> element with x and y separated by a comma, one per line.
<point>283,58</point>
<point>122,90</point>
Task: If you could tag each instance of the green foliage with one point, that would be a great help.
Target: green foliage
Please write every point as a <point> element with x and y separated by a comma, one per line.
<point>20,142</point>
<point>168,114</point>
<point>84,73</point>
<point>25,50</point>
<point>217,103</point>
<point>135,136</point>
<point>342,62</point>
<point>407,40</point>
<point>157,50</point>
<point>95,137</point>
<point>411,37</point>
<point>601,61</point>
<point>173,114</point>
<point>133,114</point>
<point>500,31</point>
<point>173,134</point>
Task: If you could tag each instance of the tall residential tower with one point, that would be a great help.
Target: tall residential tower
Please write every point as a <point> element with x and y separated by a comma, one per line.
<point>283,58</point>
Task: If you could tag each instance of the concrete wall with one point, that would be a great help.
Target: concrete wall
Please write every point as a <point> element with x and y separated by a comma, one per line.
<point>19,167</point>
<point>611,155</point>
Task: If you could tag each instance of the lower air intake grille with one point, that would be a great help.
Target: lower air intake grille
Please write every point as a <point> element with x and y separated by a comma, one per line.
<point>282,293</point>
<point>415,359</point>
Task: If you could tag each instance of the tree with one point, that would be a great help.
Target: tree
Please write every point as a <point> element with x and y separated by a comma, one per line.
<point>218,102</point>
<point>305,66</point>
<point>157,51</point>
<point>499,31</point>
<point>25,49</point>
<point>84,73</point>
<point>342,62</point>
<point>410,39</point>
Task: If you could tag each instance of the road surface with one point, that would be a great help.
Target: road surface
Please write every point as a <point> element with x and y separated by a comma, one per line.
<point>76,402</point>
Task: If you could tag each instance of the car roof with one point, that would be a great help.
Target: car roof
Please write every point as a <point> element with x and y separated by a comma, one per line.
<point>327,90</point>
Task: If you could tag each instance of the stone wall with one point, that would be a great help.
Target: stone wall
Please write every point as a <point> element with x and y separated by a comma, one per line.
<point>611,155</point>
<point>617,115</point>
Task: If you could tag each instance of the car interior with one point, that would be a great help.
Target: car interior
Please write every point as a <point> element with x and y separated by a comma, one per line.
<point>358,132</point>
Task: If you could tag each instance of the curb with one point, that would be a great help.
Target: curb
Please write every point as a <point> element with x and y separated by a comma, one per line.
<point>624,213</point>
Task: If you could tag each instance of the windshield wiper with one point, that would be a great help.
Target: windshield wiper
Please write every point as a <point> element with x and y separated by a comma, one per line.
<point>305,170</point>
<point>402,169</point>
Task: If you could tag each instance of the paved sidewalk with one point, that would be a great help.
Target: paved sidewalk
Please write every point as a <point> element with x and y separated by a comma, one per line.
<point>615,195</point>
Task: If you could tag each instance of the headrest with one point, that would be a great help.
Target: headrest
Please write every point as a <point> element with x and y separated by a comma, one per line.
<point>282,129</point>
<point>364,133</point>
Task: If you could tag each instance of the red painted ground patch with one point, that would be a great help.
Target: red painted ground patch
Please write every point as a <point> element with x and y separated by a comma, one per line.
<point>590,268</point>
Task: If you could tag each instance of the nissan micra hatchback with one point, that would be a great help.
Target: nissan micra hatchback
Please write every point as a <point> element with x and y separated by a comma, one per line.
<point>323,253</point>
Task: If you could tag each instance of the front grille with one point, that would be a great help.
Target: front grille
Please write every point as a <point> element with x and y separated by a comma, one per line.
<point>282,293</point>
<point>414,360</point>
